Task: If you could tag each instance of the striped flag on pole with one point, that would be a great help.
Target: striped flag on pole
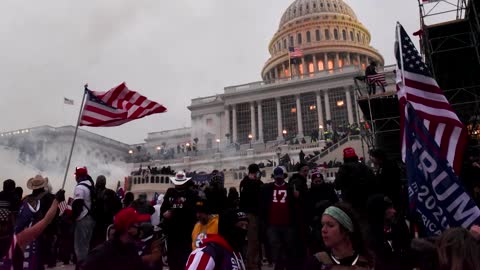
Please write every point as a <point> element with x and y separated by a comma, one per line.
<point>378,79</point>
<point>65,205</point>
<point>116,107</point>
<point>416,86</point>
<point>68,101</point>
<point>295,52</point>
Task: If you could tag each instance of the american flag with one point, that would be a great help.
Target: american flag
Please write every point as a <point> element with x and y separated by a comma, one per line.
<point>378,79</point>
<point>68,101</point>
<point>64,205</point>
<point>416,86</point>
<point>295,52</point>
<point>116,106</point>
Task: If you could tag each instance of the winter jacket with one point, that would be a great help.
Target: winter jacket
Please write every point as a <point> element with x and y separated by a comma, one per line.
<point>215,254</point>
<point>113,254</point>
<point>181,202</point>
<point>357,183</point>
<point>250,195</point>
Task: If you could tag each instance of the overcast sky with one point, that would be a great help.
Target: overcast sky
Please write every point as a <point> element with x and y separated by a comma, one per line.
<point>170,51</point>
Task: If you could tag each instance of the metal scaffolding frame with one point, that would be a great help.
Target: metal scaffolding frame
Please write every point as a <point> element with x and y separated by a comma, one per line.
<point>439,9</point>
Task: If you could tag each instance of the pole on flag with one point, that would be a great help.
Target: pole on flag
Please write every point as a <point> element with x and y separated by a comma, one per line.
<point>400,51</point>
<point>75,136</point>
<point>289,66</point>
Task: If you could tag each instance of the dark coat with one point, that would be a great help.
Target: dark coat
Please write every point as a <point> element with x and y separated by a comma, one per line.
<point>181,202</point>
<point>250,195</point>
<point>357,183</point>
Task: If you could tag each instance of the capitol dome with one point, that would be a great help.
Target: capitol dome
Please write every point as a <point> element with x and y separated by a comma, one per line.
<point>329,35</point>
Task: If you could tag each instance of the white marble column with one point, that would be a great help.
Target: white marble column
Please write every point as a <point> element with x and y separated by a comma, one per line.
<point>359,63</point>
<point>227,121</point>
<point>349,59</point>
<point>367,60</point>
<point>349,106</point>
<point>252,120</point>
<point>319,109</point>
<point>276,73</point>
<point>325,61</point>
<point>328,113</point>
<point>304,67</point>
<point>337,61</point>
<point>299,117</point>
<point>260,121</point>
<point>283,70</point>
<point>315,64</point>
<point>279,118</point>
<point>234,123</point>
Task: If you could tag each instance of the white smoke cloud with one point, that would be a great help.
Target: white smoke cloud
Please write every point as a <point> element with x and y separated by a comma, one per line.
<point>11,167</point>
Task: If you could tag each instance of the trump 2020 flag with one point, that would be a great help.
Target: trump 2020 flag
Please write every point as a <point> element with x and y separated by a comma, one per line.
<point>433,188</point>
<point>117,106</point>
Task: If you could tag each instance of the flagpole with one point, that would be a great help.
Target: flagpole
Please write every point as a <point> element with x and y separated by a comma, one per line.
<point>290,65</point>
<point>400,51</point>
<point>75,136</point>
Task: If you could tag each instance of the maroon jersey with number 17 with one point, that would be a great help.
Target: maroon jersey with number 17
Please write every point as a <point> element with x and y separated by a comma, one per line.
<point>279,210</point>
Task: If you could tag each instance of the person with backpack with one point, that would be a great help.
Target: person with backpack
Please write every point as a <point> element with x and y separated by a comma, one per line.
<point>82,212</point>
<point>13,244</point>
<point>107,205</point>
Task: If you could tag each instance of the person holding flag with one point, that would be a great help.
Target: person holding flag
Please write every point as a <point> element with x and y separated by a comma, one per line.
<point>433,142</point>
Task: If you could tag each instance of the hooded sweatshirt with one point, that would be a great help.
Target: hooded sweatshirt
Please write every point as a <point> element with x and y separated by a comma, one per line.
<point>215,254</point>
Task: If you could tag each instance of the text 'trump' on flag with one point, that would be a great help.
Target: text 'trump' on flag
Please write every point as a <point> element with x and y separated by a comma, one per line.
<point>116,106</point>
<point>416,85</point>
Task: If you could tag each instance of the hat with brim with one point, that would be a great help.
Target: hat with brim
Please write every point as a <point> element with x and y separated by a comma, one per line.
<point>180,178</point>
<point>37,182</point>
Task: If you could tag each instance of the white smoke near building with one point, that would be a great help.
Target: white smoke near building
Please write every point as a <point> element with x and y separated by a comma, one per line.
<point>45,150</point>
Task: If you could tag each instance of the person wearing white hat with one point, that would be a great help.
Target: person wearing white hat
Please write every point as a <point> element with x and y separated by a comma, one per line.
<point>179,218</point>
<point>39,201</point>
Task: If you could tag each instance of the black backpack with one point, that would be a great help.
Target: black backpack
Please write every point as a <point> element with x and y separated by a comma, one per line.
<point>94,210</point>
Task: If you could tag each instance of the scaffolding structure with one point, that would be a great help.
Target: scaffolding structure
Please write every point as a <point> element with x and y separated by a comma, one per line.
<point>450,44</point>
<point>380,114</point>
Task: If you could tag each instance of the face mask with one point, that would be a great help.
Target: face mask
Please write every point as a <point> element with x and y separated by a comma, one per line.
<point>239,235</point>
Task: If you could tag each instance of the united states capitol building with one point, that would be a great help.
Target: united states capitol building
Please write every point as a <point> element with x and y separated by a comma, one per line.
<point>295,101</point>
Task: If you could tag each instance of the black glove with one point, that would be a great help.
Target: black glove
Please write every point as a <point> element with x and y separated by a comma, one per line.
<point>60,196</point>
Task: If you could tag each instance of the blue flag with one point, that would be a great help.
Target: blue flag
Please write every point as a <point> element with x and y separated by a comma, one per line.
<point>433,188</point>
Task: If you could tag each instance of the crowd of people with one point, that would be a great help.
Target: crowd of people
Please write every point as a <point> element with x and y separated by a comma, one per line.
<point>295,221</point>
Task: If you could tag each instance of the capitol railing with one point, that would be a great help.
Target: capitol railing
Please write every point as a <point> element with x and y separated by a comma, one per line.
<point>319,74</point>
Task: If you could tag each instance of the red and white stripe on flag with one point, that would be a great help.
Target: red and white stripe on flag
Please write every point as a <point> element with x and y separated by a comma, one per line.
<point>117,106</point>
<point>295,52</point>
<point>62,206</point>
<point>378,79</point>
<point>416,85</point>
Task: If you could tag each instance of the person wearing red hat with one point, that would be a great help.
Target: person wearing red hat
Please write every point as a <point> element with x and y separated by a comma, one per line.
<point>355,180</point>
<point>81,212</point>
<point>120,252</point>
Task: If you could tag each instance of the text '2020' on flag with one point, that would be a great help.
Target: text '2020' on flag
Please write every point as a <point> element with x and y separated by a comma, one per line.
<point>116,106</point>
<point>433,141</point>
<point>434,190</point>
